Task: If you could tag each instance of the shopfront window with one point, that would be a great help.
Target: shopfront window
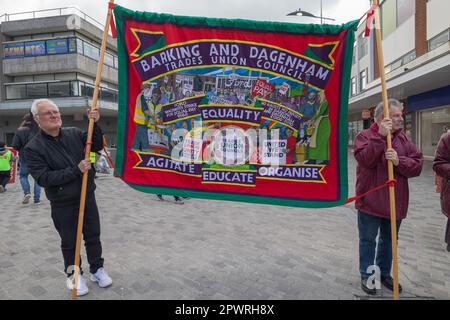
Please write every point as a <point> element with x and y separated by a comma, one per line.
<point>354,127</point>
<point>433,124</point>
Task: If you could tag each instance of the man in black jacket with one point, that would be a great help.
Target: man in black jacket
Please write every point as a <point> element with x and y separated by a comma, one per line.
<point>55,158</point>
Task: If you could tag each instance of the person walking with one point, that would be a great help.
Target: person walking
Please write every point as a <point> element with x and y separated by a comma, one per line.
<point>55,158</point>
<point>23,135</point>
<point>6,157</point>
<point>441,166</point>
<point>372,158</point>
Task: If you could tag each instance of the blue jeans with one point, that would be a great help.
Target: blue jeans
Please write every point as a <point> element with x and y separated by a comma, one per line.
<point>140,141</point>
<point>23,177</point>
<point>371,251</point>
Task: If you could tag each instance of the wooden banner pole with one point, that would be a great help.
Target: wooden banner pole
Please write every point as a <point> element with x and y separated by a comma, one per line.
<point>88,150</point>
<point>389,145</point>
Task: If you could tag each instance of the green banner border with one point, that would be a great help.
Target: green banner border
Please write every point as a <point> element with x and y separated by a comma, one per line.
<point>122,13</point>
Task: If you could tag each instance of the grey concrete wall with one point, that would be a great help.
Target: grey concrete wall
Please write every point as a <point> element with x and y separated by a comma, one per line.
<point>89,66</point>
<point>73,62</point>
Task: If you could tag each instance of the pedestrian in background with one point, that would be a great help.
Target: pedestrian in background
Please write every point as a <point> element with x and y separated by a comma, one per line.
<point>441,165</point>
<point>24,134</point>
<point>374,212</point>
<point>6,157</point>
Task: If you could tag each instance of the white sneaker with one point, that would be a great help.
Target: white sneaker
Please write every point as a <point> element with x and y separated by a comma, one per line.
<point>26,198</point>
<point>102,278</point>
<point>82,288</point>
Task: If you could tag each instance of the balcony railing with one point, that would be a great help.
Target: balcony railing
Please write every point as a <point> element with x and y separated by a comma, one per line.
<point>49,13</point>
<point>57,89</point>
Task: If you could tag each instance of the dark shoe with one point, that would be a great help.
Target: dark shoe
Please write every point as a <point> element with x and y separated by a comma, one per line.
<point>160,197</point>
<point>448,247</point>
<point>366,289</point>
<point>388,282</point>
<point>178,200</point>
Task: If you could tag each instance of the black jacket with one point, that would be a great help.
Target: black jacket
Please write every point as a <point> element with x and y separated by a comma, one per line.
<point>53,163</point>
<point>22,137</point>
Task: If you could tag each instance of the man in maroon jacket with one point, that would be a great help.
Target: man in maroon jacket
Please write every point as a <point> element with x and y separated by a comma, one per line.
<point>372,156</point>
<point>441,166</point>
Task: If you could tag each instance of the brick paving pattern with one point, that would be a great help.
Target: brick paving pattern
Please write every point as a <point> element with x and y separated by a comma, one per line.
<point>221,250</point>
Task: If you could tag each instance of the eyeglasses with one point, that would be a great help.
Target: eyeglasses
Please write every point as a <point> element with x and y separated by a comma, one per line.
<point>49,114</point>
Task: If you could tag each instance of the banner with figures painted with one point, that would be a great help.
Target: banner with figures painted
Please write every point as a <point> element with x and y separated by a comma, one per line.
<point>233,109</point>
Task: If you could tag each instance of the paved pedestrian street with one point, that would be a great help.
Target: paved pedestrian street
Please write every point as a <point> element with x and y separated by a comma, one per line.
<point>221,250</point>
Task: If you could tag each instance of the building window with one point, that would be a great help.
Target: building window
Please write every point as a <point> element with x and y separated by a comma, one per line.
<point>41,36</point>
<point>396,64</point>
<point>405,10</point>
<point>16,92</point>
<point>37,90</point>
<point>80,46</point>
<point>13,50</point>
<point>388,17</point>
<point>363,80</point>
<point>108,59</point>
<point>91,51</point>
<point>34,48</point>
<point>59,89</point>
<point>23,79</point>
<point>363,46</point>
<point>66,76</point>
<point>439,40</point>
<point>354,86</point>
<point>355,44</point>
<point>57,46</point>
<point>44,77</point>
<point>407,58</point>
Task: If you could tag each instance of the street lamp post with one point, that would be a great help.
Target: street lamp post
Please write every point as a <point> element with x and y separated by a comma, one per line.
<point>303,13</point>
<point>321,13</point>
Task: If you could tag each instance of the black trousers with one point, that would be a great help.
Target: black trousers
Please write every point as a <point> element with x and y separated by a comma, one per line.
<point>4,178</point>
<point>447,232</point>
<point>65,220</point>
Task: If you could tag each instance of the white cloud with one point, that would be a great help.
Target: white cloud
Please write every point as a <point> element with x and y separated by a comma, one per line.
<point>267,10</point>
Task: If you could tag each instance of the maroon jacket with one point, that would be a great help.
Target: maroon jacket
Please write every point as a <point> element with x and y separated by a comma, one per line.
<point>441,165</point>
<point>372,171</point>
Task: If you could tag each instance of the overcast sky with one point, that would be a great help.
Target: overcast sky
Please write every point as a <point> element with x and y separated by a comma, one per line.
<point>267,10</point>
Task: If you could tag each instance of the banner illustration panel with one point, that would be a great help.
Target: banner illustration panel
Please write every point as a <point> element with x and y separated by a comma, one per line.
<point>234,109</point>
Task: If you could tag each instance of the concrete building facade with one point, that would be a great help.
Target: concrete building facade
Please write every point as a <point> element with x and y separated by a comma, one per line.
<point>54,54</point>
<point>416,45</point>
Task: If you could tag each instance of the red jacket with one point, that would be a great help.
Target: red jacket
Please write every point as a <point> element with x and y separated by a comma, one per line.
<point>441,165</point>
<point>371,171</point>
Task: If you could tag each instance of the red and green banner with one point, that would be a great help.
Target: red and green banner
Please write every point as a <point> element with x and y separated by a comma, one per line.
<point>233,109</point>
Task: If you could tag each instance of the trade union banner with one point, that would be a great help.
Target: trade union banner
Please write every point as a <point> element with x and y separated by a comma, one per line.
<point>233,109</point>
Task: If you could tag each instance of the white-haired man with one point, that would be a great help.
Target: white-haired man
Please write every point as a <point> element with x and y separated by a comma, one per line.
<point>55,158</point>
<point>372,156</point>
